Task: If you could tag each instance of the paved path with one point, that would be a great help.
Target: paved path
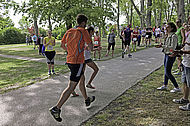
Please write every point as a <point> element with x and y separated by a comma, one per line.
<point>29,106</point>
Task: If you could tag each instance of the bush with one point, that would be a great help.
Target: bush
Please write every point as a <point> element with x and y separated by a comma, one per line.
<point>11,35</point>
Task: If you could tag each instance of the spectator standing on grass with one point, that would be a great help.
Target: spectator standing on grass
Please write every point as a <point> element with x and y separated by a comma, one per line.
<point>157,34</point>
<point>34,38</point>
<point>169,44</point>
<point>27,40</point>
<point>181,39</point>
<point>111,42</point>
<point>143,35</point>
<point>40,43</point>
<point>49,43</point>
<point>74,45</point>
<point>185,78</point>
<point>97,45</point>
<point>30,39</point>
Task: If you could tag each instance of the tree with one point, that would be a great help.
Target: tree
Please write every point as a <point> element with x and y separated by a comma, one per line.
<point>149,12</point>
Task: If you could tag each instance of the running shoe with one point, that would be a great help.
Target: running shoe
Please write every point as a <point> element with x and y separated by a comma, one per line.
<point>55,112</point>
<point>185,107</point>
<point>180,101</point>
<point>129,55</point>
<point>175,90</point>
<point>49,73</point>
<point>162,88</point>
<point>89,100</point>
<point>90,86</point>
<point>177,73</point>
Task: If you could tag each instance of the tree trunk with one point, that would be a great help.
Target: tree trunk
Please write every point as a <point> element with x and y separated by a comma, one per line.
<point>149,4</point>
<point>49,20</point>
<point>142,12</point>
<point>160,13</point>
<point>118,20</point>
<point>181,12</point>
<point>131,18</point>
<point>155,14</point>
<point>36,26</point>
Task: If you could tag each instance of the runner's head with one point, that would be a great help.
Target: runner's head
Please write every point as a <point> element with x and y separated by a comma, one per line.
<point>82,20</point>
<point>90,30</point>
<point>49,33</point>
<point>112,30</point>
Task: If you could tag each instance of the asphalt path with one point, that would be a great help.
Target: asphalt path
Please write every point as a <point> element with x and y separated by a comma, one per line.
<point>29,106</point>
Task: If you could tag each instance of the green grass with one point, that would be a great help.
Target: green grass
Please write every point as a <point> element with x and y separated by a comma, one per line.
<point>27,51</point>
<point>17,73</point>
<point>143,105</point>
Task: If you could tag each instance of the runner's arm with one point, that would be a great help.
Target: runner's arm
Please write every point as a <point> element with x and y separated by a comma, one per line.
<point>45,44</point>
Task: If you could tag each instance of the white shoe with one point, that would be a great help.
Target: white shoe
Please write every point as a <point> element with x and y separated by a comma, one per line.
<point>162,88</point>
<point>175,90</point>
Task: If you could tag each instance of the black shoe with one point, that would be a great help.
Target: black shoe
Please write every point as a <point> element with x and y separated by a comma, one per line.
<point>129,55</point>
<point>89,100</point>
<point>55,112</point>
<point>180,101</point>
<point>49,73</point>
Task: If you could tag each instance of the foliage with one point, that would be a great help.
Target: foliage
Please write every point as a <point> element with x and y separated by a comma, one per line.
<point>42,31</point>
<point>11,35</point>
<point>5,22</point>
<point>24,23</point>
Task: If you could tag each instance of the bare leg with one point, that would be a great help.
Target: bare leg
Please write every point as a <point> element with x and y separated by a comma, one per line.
<point>95,68</point>
<point>82,87</point>
<point>112,52</point>
<point>95,53</point>
<point>66,93</point>
<point>99,54</point>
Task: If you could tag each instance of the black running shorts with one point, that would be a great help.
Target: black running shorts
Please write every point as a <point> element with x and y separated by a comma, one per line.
<point>77,70</point>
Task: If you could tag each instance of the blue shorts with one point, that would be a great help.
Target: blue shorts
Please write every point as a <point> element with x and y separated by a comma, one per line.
<point>185,77</point>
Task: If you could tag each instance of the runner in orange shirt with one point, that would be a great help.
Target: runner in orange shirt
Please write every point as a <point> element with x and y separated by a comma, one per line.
<point>73,42</point>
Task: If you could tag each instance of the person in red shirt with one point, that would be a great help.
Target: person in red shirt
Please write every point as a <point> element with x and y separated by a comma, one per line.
<point>97,45</point>
<point>73,42</point>
<point>134,39</point>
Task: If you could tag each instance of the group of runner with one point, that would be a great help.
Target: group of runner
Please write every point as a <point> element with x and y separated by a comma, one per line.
<point>137,34</point>
<point>78,43</point>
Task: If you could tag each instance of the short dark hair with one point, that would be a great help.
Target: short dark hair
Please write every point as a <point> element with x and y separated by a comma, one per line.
<point>81,18</point>
<point>90,29</point>
<point>173,26</point>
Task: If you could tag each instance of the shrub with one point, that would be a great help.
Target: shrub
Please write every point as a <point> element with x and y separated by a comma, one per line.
<point>12,35</point>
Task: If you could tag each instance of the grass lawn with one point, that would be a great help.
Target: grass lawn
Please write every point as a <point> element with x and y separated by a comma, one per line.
<point>143,105</point>
<point>28,51</point>
<point>17,73</point>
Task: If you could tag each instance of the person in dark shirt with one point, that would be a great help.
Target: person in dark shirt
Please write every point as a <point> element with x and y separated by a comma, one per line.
<point>127,40</point>
<point>148,35</point>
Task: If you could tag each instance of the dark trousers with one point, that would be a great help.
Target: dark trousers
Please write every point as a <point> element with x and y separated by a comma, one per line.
<point>40,48</point>
<point>168,64</point>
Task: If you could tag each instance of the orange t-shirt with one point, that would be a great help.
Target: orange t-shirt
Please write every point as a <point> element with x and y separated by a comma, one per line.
<point>75,45</point>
